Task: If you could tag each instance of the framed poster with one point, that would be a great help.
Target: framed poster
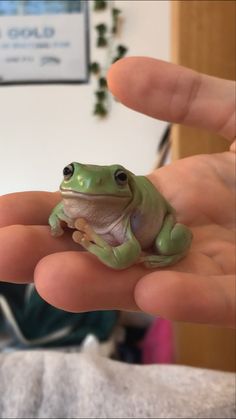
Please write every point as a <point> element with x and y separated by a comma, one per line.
<point>44,41</point>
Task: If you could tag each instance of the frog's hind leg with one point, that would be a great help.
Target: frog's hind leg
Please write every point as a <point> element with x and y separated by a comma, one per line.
<point>173,238</point>
<point>171,244</point>
<point>118,257</point>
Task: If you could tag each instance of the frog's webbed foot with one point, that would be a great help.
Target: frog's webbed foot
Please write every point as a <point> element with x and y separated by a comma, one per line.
<point>118,257</point>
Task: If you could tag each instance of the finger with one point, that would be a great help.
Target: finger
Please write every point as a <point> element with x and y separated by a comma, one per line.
<point>78,282</point>
<point>233,147</point>
<point>173,93</point>
<point>188,297</point>
<point>27,207</point>
<point>21,248</point>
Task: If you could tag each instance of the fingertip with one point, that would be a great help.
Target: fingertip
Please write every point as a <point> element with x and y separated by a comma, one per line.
<point>122,72</point>
<point>184,297</point>
<point>56,281</point>
<point>176,296</point>
<point>154,293</point>
<point>115,75</point>
<point>79,282</point>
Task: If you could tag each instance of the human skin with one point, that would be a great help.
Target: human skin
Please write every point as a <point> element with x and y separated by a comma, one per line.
<point>201,287</point>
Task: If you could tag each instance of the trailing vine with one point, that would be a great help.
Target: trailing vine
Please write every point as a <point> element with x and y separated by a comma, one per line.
<point>106,38</point>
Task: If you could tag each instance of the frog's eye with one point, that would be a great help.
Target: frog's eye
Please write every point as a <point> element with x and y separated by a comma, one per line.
<point>68,171</point>
<point>121,177</point>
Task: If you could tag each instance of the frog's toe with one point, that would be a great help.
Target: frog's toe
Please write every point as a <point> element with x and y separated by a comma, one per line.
<point>81,239</point>
<point>77,236</point>
<point>71,224</point>
<point>85,242</point>
<point>83,226</point>
<point>80,224</point>
<point>57,232</point>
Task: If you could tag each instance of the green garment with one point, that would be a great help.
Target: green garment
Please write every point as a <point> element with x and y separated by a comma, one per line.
<point>34,323</point>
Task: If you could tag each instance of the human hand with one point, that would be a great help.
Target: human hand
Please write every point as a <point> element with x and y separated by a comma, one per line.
<point>201,287</point>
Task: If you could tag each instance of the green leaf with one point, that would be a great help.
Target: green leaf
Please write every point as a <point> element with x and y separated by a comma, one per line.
<point>115,12</point>
<point>101,42</point>
<point>101,28</point>
<point>100,5</point>
<point>95,68</point>
<point>115,59</point>
<point>121,50</point>
<point>102,83</point>
<point>101,95</point>
<point>100,109</point>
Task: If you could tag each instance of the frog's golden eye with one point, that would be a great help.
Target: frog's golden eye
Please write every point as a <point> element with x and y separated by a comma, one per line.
<point>68,171</point>
<point>121,177</point>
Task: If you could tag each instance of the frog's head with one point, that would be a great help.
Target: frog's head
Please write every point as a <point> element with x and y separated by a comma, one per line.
<point>90,181</point>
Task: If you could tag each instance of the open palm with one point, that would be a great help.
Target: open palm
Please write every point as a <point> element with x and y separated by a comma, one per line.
<point>201,188</point>
<point>199,288</point>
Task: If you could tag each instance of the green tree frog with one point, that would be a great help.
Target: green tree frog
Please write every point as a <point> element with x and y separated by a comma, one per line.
<point>119,217</point>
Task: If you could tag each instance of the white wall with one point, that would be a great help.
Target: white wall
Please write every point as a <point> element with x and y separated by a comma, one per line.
<point>42,128</point>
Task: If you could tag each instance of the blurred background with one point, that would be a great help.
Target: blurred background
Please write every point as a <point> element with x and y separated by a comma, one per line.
<point>45,126</point>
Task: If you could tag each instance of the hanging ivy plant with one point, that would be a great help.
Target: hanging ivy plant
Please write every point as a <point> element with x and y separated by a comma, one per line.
<point>106,38</point>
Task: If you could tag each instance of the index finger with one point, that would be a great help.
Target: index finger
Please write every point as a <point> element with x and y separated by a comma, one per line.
<point>173,93</point>
<point>27,208</point>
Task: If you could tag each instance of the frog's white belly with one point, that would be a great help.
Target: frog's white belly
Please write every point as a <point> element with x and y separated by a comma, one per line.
<point>144,228</point>
<point>111,238</point>
<point>111,224</point>
<point>102,217</point>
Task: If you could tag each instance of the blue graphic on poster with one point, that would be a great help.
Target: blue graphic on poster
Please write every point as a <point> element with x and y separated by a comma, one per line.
<point>43,41</point>
<point>39,7</point>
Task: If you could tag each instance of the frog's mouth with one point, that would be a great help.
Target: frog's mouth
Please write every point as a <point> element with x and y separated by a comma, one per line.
<point>67,193</point>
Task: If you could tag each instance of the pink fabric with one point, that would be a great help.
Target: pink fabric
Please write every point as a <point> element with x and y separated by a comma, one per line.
<point>157,346</point>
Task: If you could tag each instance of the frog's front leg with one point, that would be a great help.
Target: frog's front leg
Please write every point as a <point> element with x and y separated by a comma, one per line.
<point>55,219</point>
<point>118,257</point>
<point>171,244</point>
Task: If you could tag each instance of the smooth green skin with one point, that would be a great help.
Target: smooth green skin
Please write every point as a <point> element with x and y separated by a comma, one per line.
<point>168,240</point>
